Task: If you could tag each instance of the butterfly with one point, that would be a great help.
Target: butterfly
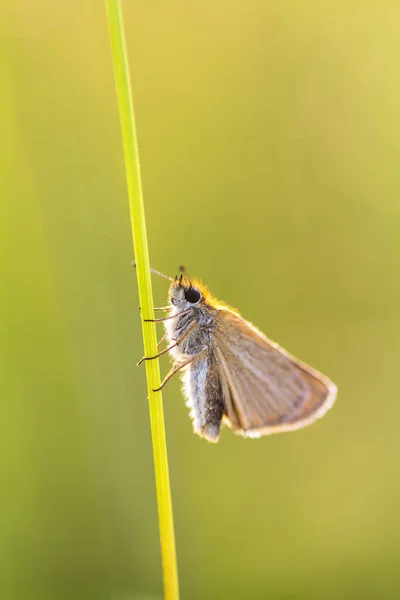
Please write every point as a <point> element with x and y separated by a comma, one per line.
<point>231,372</point>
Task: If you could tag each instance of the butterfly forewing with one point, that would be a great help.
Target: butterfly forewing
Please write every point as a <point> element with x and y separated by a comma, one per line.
<point>266,390</point>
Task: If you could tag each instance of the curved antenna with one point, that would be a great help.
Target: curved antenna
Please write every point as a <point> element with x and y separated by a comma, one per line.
<point>133,263</point>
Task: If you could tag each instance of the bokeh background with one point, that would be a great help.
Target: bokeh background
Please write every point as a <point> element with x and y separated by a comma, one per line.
<point>269,138</point>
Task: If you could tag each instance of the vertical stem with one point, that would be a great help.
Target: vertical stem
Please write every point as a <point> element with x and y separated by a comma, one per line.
<point>129,139</point>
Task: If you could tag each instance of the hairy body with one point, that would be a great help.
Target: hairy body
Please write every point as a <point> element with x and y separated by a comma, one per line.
<point>232,372</point>
<point>201,385</point>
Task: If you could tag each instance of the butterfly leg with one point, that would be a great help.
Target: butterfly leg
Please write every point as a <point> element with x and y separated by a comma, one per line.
<point>162,339</point>
<point>176,343</point>
<point>183,312</point>
<point>178,367</point>
<point>158,308</point>
<point>174,370</point>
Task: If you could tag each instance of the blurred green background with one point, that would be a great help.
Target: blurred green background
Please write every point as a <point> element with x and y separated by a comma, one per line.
<point>269,140</point>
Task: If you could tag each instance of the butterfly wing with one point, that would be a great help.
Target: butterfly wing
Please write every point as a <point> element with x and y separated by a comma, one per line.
<point>265,389</point>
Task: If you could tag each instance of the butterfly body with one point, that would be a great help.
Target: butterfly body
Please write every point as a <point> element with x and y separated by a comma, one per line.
<point>233,373</point>
<point>201,385</point>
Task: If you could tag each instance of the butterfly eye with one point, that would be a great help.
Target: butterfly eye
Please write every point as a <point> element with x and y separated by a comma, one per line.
<point>192,295</point>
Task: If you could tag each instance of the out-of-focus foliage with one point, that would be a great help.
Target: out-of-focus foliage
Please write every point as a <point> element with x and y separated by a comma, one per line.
<point>270,142</point>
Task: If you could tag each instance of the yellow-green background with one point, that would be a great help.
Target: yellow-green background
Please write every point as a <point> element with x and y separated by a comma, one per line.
<point>269,137</point>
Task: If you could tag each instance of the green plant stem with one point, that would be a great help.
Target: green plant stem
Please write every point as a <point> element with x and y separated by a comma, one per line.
<point>129,138</point>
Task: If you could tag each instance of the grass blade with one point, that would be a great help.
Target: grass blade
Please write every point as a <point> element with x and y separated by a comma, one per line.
<point>132,166</point>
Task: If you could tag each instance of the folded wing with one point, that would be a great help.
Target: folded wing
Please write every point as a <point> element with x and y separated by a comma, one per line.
<point>265,389</point>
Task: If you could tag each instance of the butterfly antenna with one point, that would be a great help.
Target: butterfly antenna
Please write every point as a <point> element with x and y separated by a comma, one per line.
<point>155,272</point>
<point>182,269</point>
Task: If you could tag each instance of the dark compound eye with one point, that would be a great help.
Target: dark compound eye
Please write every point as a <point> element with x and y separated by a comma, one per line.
<point>192,295</point>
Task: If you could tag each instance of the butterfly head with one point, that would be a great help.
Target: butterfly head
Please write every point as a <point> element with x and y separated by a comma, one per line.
<point>183,293</point>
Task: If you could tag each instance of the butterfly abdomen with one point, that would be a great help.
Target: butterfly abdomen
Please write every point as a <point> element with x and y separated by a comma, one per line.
<point>203,391</point>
